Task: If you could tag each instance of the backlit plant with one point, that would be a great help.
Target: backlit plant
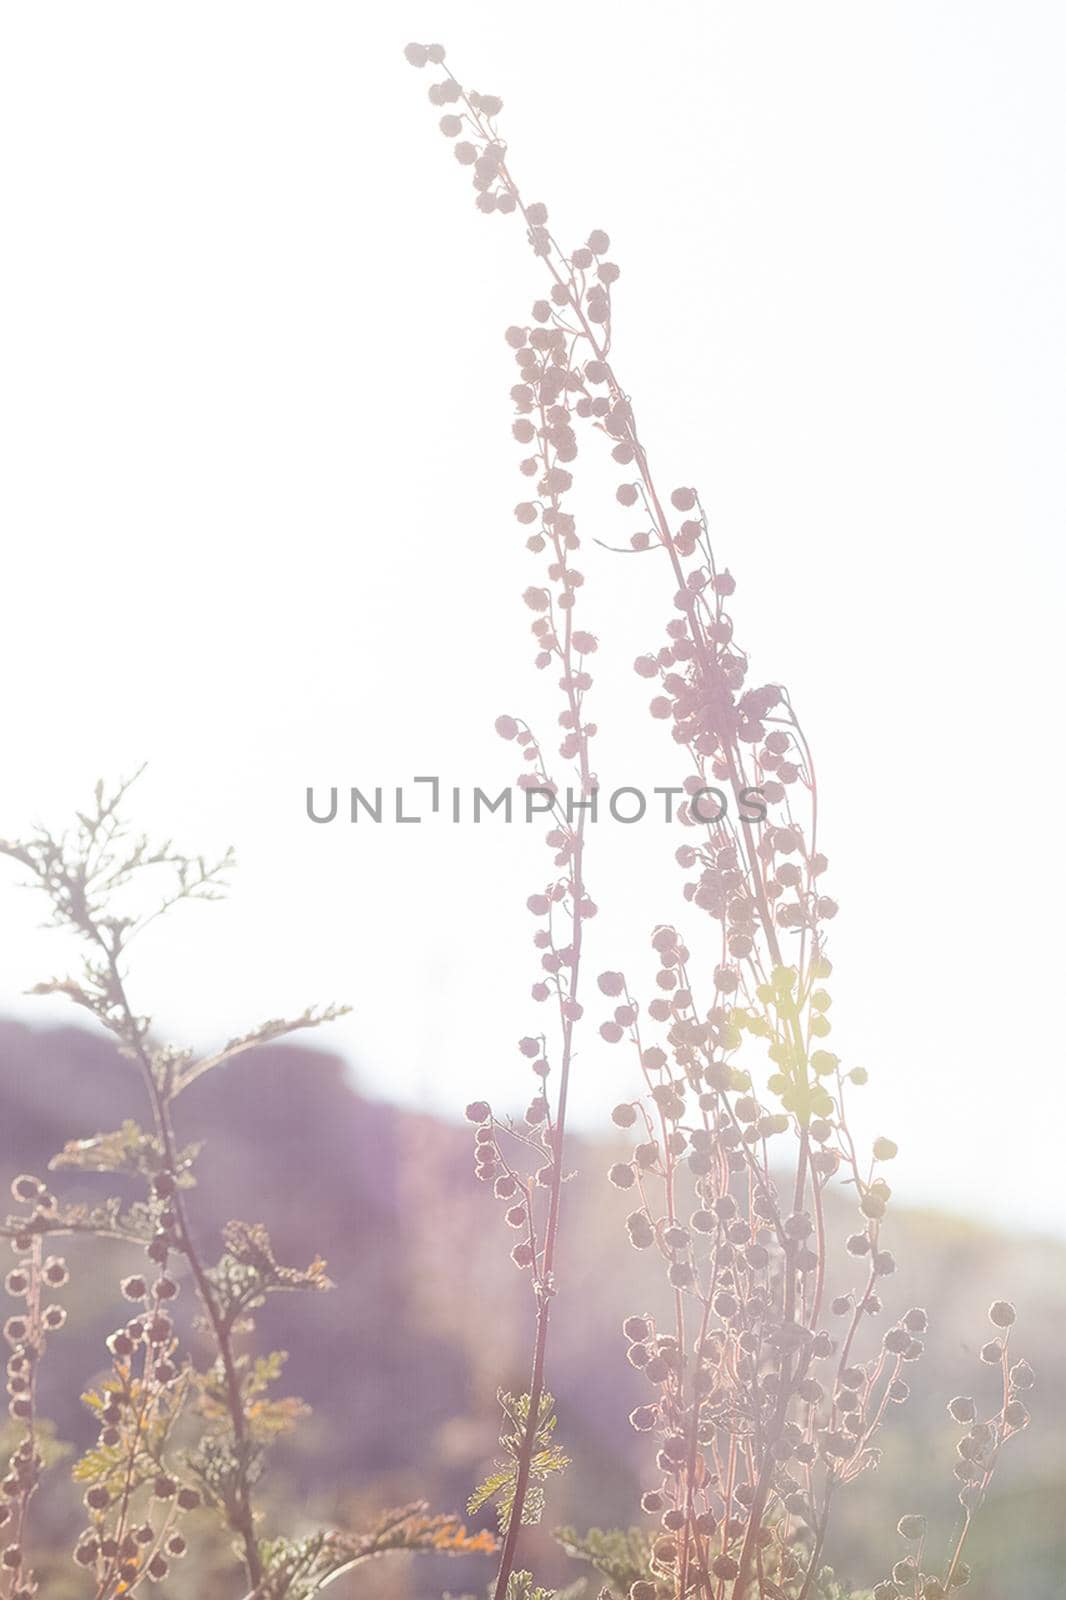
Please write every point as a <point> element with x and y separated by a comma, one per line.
<point>172,1435</point>
<point>765,1396</point>
<point>770,1377</point>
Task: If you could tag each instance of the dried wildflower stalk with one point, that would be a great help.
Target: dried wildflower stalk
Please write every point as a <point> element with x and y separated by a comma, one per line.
<point>36,1278</point>
<point>761,1414</point>
<point>137,1487</point>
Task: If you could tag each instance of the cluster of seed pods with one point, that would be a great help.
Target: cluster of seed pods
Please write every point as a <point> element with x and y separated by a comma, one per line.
<point>977,1454</point>
<point>32,1282</point>
<point>134,1502</point>
<point>763,1398</point>
<point>134,1534</point>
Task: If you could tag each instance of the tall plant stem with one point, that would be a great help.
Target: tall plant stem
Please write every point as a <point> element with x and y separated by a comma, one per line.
<point>545,1285</point>
<point>245,1518</point>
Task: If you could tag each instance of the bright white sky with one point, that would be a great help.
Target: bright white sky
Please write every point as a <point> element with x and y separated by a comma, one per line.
<point>258,488</point>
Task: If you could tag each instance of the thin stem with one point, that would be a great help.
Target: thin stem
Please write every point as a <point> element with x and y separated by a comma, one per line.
<point>245,1520</point>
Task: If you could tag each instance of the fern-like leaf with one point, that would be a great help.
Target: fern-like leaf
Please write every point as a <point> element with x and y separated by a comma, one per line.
<point>501,1485</point>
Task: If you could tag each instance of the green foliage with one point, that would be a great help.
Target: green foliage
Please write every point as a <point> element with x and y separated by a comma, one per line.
<point>295,1569</point>
<point>149,1415</point>
<point>621,1555</point>
<point>520,1586</point>
<point>188,1070</point>
<point>501,1485</point>
<point>128,1152</point>
<point>223,1465</point>
<point>266,1418</point>
<point>225,1471</point>
<point>108,1220</point>
<point>90,876</point>
<point>248,1271</point>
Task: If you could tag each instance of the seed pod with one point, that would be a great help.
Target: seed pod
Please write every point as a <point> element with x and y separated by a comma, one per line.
<point>55,1272</point>
<point>640,1230</point>
<point>159,1328</point>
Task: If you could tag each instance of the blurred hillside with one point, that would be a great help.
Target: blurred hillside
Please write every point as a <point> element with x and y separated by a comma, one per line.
<point>402,1361</point>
